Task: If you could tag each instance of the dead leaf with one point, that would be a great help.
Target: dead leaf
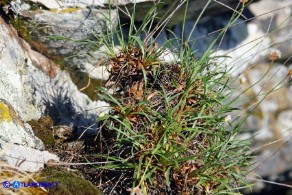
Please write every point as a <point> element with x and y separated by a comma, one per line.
<point>236,169</point>
<point>132,118</point>
<point>191,101</point>
<point>180,87</point>
<point>137,90</point>
<point>151,95</point>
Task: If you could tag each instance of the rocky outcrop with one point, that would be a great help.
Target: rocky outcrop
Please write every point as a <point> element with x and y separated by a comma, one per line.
<point>70,31</point>
<point>31,85</point>
<point>69,36</point>
<point>269,105</point>
<point>65,33</point>
<point>15,84</point>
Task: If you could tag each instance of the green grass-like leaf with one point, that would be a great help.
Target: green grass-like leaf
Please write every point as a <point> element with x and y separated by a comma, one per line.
<point>178,139</point>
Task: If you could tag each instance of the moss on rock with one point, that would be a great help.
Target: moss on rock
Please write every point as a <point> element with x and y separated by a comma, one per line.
<point>43,130</point>
<point>5,2</point>
<point>22,29</point>
<point>68,183</point>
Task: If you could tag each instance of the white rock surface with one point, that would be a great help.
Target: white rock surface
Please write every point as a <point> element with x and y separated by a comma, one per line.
<point>51,4</point>
<point>274,17</point>
<point>26,159</point>
<point>97,72</point>
<point>65,103</point>
<point>267,8</point>
<point>285,123</point>
<point>267,91</point>
<point>251,50</point>
<point>16,134</point>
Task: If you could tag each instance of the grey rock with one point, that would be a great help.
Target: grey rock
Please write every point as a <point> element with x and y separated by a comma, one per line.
<point>268,93</point>
<point>59,4</point>
<point>17,6</point>
<point>25,158</point>
<point>15,84</point>
<point>206,32</point>
<point>73,32</point>
<point>18,102</point>
<point>274,18</point>
<point>34,86</point>
<point>62,100</point>
<point>268,164</point>
<point>284,121</point>
<point>73,37</point>
<point>14,130</point>
<point>242,44</point>
<point>195,7</point>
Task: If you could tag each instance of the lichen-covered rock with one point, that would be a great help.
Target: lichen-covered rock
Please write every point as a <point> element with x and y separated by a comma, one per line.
<point>61,33</point>
<point>14,130</point>
<point>29,88</point>
<point>66,35</point>
<point>35,86</point>
<point>15,83</point>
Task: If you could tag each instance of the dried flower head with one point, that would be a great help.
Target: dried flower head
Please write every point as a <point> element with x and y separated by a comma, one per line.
<point>242,80</point>
<point>227,118</point>
<point>101,114</point>
<point>243,1</point>
<point>274,54</point>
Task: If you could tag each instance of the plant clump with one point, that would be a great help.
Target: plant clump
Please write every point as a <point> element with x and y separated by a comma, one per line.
<point>167,130</point>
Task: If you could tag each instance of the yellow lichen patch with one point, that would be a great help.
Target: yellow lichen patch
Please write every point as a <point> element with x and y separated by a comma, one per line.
<point>66,10</point>
<point>4,113</point>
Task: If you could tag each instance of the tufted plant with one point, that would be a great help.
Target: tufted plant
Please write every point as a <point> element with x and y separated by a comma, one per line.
<point>168,130</point>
